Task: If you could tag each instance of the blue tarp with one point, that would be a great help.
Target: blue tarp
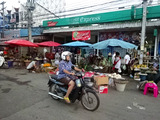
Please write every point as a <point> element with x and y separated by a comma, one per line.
<point>113,43</point>
<point>77,44</point>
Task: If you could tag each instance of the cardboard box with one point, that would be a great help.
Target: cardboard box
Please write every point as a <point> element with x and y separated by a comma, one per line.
<point>101,80</point>
<point>103,89</point>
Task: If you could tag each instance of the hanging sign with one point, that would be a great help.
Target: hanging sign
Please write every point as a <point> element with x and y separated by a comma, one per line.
<point>81,35</point>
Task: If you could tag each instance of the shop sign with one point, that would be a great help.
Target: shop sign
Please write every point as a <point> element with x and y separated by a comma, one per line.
<point>35,32</point>
<point>9,34</point>
<point>84,19</point>
<point>81,35</point>
<point>107,17</point>
<point>51,24</point>
<point>155,32</point>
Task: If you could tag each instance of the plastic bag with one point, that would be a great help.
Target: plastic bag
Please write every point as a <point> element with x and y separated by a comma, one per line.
<point>119,70</point>
<point>124,67</point>
<point>111,82</point>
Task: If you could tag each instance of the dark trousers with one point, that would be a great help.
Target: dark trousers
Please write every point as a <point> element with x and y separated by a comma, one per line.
<point>116,71</point>
<point>133,72</point>
<point>157,78</point>
<point>127,70</point>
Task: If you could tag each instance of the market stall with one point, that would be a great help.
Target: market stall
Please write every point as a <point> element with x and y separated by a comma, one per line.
<point>108,46</point>
<point>113,43</point>
<point>50,44</point>
<point>15,56</point>
<point>77,44</point>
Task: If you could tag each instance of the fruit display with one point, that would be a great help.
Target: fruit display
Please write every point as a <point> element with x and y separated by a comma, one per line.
<point>47,65</point>
<point>137,76</point>
<point>140,66</point>
<point>115,76</point>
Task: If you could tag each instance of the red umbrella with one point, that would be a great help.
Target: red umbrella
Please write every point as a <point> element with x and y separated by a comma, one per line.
<point>48,44</point>
<point>21,42</point>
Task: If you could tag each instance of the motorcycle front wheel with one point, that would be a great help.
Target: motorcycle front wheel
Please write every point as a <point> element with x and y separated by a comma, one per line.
<point>90,100</point>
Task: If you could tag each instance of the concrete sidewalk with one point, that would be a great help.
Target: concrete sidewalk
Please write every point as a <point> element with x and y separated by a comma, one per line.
<point>23,96</point>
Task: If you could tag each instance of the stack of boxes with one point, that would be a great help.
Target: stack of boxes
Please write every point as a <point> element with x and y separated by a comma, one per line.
<point>102,83</point>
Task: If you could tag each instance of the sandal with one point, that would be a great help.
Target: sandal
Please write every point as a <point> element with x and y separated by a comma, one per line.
<point>67,99</point>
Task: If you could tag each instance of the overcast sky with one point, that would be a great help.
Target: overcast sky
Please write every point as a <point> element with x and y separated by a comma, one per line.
<point>69,3</point>
<point>72,4</point>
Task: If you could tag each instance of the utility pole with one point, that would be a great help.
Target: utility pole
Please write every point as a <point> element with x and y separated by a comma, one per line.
<point>143,31</point>
<point>156,43</point>
<point>30,7</point>
<point>2,3</point>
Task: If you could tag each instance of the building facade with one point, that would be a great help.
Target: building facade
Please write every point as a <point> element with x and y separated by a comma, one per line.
<point>124,25</point>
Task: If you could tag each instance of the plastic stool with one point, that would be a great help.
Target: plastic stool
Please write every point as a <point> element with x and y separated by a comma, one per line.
<point>151,85</point>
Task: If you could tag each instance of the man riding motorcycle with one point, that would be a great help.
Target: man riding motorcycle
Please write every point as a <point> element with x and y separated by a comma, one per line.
<point>2,59</point>
<point>66,75</point>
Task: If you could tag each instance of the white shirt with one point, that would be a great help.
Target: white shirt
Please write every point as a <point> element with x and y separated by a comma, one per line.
<point>113,58</point>
<point>57,56</point>
<point>1,60</point>
<point>32,64</point>
<point>127,59</point>
<point>118,65</point>
<point>141,59</point>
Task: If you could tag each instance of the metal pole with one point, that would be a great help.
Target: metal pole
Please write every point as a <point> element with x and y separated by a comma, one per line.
<point>158,41</point>
<point>29,26</point>
<point>143,31</point>
<point>97,49</point>
<point>30,8</point>
<point>3,24</point>
<point>3,19</point>
<point>155,47</point>
<point>53,41</point>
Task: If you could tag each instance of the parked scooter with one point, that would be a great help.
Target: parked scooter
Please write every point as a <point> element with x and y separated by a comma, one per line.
<point>3,63</point>
<point>82,92</point>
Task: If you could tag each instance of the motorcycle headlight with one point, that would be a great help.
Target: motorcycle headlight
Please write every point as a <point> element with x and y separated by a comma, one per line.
<point>82,74</point>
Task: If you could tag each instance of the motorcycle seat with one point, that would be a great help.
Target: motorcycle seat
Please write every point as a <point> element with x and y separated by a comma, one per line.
<point>54,78</point>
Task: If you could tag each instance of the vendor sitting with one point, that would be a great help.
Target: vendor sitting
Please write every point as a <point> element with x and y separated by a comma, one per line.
<point>133,62</point>
<point>32,66</point>
<point>156,68</point>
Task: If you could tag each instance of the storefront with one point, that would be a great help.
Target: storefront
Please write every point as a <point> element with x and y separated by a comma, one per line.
<point>124,25</point>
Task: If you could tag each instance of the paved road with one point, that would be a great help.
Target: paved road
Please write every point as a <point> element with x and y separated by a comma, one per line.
<point>23,96</point>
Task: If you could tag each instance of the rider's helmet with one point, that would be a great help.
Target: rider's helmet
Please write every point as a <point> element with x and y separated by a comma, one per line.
<point>1,53</point>
<point>65,54</point>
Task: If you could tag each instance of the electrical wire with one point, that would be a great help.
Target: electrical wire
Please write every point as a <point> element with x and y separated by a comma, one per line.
<point>111,20</point>
<point>84,8</point>
<point>48,10</point>
<point>89,6</point>
<point>100,9</point>
<point>89,11</point>
<point>74,10</point>
<point>77,3</point>
<point>92,6</point>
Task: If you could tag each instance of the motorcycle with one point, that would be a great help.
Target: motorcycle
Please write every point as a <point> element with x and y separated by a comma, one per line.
<point>82,92</point>
<point>3,63</point>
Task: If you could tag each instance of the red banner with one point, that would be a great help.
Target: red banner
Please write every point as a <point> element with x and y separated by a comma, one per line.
<point>81,35</point>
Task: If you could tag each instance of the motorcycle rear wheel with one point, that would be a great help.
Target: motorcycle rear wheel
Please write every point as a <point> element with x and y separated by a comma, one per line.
<point>52,89</point>
<point>87,100</point>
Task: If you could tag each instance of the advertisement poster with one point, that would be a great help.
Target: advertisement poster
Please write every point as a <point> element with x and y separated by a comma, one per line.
<point>132,37</point>
<point>81,35</point>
